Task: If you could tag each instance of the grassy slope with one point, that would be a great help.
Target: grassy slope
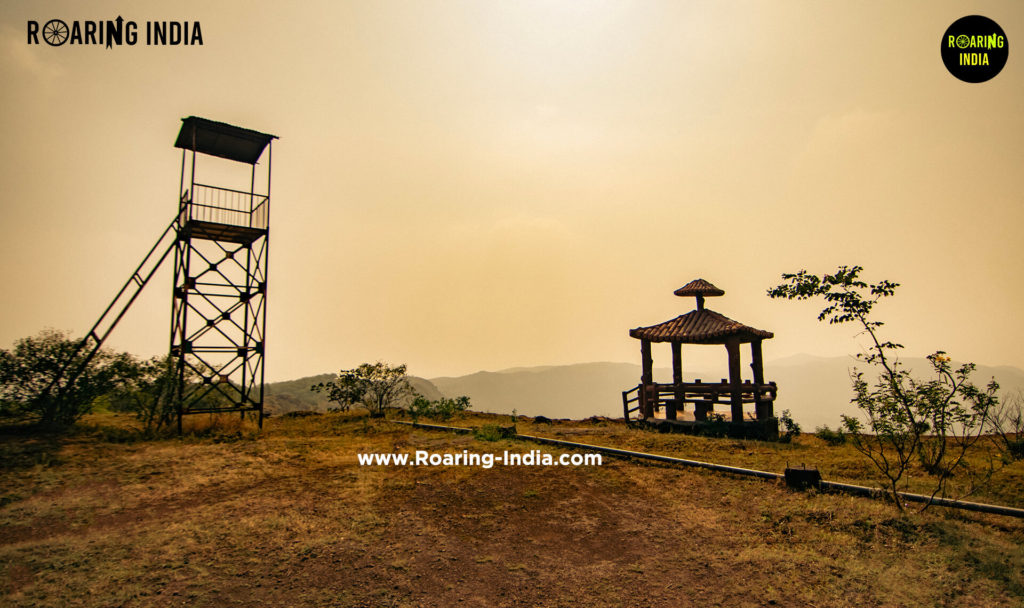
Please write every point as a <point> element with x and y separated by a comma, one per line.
<point>289,518</point>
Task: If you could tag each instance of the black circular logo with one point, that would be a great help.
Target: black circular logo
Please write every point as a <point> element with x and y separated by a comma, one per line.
<point>974,48</point>
<point>55,32</point>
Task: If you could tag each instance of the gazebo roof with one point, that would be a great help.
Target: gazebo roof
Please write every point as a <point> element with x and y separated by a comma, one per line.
<point>699,287</point>
<point>702,326</point>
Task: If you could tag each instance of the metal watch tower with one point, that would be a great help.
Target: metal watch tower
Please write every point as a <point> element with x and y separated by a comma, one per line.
<point>219,299</point>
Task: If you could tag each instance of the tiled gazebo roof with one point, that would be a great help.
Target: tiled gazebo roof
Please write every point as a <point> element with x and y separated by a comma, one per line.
<point>699,327</point>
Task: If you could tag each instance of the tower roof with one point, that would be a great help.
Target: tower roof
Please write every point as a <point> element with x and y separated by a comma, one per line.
<point>699,287</point>
<point>222,140</point>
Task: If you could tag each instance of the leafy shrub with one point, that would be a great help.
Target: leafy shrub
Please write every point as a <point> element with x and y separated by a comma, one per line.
<point>836,437</point>
<point>147,391</point>
<point>441,409</point>
<point>714,426</point>
<point>790,429</point>
<point>48,379</point>
<point>494,432</point>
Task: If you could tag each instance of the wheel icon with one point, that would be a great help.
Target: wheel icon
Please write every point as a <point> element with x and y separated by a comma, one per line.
<point>962,41</point>
<point>55,32</point>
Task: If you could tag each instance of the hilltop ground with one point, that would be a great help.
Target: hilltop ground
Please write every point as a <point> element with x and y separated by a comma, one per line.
<point>289,518</point>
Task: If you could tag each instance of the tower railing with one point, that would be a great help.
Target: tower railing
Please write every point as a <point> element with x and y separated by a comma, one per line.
<point>225,206</point>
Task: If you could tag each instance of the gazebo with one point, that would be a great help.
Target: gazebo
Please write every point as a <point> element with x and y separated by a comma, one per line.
<point>700,326</point>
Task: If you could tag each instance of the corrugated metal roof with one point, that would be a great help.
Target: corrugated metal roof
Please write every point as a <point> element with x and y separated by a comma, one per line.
<point>699,327</point>
<point>222,140</point>
<point>699,287</point>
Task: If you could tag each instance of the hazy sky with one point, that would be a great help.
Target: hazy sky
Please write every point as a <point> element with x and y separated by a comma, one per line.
<point>477,185</point>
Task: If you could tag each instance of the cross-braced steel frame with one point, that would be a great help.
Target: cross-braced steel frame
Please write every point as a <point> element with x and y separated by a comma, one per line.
<point>219,302</point>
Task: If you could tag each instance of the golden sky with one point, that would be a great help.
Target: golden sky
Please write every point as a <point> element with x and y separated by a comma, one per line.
<point>477,185</point>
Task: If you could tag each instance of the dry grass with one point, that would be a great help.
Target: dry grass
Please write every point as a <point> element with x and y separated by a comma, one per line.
<point>836,463</point>
<point>288,517</point>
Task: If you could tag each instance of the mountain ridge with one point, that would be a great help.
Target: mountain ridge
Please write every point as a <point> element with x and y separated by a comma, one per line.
<point>815,389</point>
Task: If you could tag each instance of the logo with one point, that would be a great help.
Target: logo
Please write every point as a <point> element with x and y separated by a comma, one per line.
<point>974,48</point>
<point>115,32</point>
<point>55,32</point>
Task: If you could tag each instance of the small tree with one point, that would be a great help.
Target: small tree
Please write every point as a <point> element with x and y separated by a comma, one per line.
<point>375,385</point>
<point>36,386</point>
<point>1007,423</point>
<point>936,421</point>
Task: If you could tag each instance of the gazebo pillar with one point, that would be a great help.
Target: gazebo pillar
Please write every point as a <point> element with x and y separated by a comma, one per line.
<point>763,409</point>
<point>646,378</point>
<point>735,384</point>
<point>677,380</point>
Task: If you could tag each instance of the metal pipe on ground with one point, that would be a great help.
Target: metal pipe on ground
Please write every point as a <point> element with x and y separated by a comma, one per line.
<point>721,468</point>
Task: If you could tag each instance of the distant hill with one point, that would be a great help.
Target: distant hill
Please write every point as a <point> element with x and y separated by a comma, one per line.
<point>816,390</point>
<point>567,391</point>
<point>292,395</point>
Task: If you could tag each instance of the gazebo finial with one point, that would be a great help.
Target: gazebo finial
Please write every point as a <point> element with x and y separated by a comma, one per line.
<point>701,289</point>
